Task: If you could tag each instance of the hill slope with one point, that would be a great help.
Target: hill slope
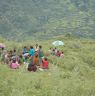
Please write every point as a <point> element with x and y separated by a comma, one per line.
<point>21,18</point>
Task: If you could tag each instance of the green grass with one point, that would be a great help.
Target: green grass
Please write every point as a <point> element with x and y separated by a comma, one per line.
<point>72,76</point>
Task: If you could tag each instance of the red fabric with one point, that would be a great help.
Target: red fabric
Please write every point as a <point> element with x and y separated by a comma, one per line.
<point>45,64</point>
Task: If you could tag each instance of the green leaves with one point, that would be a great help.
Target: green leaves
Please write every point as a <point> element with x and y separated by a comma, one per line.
<point>21,19</point>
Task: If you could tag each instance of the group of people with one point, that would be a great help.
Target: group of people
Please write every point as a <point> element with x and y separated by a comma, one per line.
<point>56,52</point>
<point>33,57</point>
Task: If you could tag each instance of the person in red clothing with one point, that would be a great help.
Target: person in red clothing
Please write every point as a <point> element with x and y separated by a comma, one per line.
<point>45,63</point>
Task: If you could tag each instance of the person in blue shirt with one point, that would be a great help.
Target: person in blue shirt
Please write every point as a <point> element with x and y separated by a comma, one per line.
<point>31,51</point>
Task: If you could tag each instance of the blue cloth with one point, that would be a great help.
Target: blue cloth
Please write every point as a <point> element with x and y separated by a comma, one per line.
<point>31,52</point>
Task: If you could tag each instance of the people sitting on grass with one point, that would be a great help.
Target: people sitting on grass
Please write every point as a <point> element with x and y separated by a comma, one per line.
<point>56,52</point>
<point>33,57</point>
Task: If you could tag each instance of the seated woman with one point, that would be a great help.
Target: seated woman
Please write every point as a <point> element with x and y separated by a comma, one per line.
<point>14,64</point>
<point>45,63</point>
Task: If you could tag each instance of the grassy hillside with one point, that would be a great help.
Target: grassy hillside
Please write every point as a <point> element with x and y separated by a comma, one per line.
<point>33,18</point>
<point>72,76</point>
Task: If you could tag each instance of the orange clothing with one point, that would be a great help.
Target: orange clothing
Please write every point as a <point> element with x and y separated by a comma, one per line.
<point>35,60</point>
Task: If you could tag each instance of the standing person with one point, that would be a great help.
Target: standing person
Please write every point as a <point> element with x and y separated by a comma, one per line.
<point>31,51</point>
<point>2,54</point>
<point>55,50</point>
<point>1,51</point>
<point>25,54</point>
<point>36,48</point>
<point>41,54</point>
<point>36,60</point>
<point>6,58</point>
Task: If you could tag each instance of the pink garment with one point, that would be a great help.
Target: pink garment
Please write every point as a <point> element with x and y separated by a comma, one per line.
<point>62,55</point>
<point>14,65</point>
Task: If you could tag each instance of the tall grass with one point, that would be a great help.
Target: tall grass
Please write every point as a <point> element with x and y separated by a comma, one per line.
<point>73,75</point>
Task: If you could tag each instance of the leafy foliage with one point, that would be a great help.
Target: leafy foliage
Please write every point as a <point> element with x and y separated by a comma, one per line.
<point>46,18</point>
